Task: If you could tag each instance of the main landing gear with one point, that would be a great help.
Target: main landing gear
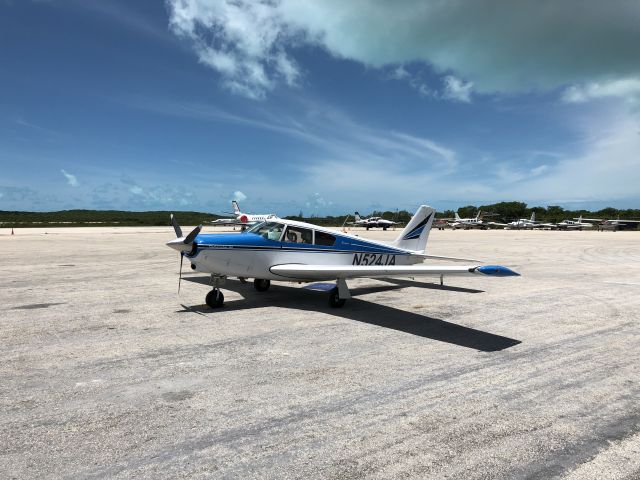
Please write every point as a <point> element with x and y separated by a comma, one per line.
<point>339,294</point>
<point>261,285</point>
<point>215,299</point>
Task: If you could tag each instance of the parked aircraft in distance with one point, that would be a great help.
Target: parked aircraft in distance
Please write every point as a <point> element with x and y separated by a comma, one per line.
<point>301,252</point>
<point>576,224</point>
<point>467,223</point>
<point>242,219</point>
<point>372,222</point>
<point>524,223</point>
<point>613,225</point>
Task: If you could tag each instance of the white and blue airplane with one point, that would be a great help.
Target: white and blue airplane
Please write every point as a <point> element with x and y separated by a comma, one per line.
<point>293,251</point>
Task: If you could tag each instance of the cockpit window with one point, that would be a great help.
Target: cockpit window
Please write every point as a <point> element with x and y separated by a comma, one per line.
<point>269,230</point>
<point>325,239</point>
<point>298,235</point>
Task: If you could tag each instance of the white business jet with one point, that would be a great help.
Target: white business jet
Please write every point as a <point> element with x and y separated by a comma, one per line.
<point>301,252</point>
<point>242,219</point>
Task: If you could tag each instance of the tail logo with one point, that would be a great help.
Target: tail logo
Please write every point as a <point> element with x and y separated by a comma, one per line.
<point>417,230</point>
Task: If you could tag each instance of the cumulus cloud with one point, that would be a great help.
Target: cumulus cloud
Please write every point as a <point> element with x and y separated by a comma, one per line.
<point>71,179</point>
<point>243,40</point>
<point>238,196</point>
<point>456,89</point>
<point>626,88</point>
<point>499,46</point>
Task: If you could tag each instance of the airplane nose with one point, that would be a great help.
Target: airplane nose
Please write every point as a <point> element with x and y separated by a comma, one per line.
<point>179,245</point>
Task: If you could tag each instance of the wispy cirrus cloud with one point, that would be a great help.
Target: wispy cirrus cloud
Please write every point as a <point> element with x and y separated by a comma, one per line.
<point>329,130</point>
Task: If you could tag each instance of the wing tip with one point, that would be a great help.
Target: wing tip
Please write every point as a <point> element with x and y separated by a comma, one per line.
<point>497,271</point>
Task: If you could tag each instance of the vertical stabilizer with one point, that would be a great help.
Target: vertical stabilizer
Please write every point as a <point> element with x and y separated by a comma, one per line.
<point>236,208</point>
<point>533,217</point>
<point>457,217</point>
<point>415,234</point>
<point>357,217</point>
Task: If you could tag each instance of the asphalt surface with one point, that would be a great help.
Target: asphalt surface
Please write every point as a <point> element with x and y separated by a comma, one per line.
<point>107,373</point>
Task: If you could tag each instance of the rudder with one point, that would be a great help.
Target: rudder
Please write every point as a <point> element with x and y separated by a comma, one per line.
<point>415,234</point>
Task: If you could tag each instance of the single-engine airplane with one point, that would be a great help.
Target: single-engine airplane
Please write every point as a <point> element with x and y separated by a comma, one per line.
<point>242,219</point>
<point>301,252</point>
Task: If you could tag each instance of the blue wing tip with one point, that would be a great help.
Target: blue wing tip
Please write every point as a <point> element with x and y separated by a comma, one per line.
<point>497,271</point>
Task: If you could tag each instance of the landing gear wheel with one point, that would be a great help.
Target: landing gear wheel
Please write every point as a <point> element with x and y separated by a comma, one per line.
<point>334,298</point>
<point>261,285</point>
<point>384,229</point>
<point>215,298</point>
<point>242,280</point>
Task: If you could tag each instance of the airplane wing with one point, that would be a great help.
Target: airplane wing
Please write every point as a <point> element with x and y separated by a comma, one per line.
<point>498,224</point>
<point>229,222</point>
<point>332,272</point>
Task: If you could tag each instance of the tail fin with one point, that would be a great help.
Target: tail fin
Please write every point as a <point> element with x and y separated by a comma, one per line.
<point>357,217</point>
<point>533,216</point>
<point>236,208</point>
<point>457,216</point>
<point>479,215</point>
<point>415,234</point>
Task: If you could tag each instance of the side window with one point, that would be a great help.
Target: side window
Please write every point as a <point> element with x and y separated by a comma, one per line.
<point>268,230</point>
<point>325,239</point>
<point>298,235</point>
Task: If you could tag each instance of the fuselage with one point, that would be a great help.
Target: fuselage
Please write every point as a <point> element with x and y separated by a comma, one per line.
<point>252,253</point>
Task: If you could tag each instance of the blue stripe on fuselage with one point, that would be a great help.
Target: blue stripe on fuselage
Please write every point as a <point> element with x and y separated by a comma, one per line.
<point>254,241</point>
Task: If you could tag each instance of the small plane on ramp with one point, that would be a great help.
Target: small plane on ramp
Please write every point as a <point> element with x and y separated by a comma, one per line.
<point>301,252</point>
<point>241,219</point>
<point>575,224</point>
<point>372,222</point>
<point>468,223</point>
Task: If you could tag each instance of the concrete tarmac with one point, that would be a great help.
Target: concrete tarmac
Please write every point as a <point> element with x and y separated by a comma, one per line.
<point>107,373</point>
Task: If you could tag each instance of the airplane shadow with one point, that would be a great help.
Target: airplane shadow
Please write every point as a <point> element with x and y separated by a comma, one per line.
<point>361,311</point>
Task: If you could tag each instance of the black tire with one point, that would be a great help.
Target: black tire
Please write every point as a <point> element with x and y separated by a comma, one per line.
<point>242,280</point>
<point>215,298</point>
<point>384,229</point>
<point>261,285</point>
<point>334,298</point>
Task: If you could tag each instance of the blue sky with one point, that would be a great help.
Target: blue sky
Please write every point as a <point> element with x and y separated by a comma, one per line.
<point>324,107</point>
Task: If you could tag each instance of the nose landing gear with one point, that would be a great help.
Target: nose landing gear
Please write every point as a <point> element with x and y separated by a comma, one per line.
<point>215,298</point>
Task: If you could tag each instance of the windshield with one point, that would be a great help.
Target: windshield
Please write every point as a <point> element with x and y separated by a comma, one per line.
<point>269,230</point>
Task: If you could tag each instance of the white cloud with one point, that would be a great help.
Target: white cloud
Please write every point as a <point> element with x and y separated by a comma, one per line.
<point>136,190</point>
<point>71,179</point>
<point>243,40</point>
<point>572,42</point>
<point>606,168</point>
<point>627,88</point>
<point>456,89</point>
<point>238,196</point>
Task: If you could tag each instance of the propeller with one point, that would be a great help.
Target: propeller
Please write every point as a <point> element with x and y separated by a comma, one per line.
<point>176,226</point>
<point>182,244</point>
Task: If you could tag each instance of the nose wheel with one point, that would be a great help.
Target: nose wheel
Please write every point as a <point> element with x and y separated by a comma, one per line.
<point>215,298</point>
